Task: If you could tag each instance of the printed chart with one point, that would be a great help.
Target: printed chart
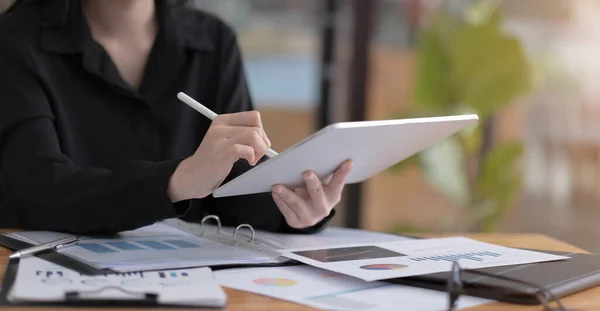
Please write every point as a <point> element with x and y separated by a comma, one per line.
<point>136,245</point>
<point>275,282</point>
<point>383,261</point>
<point>317,288</point>
<point>384,266</point>
<point>162,247</point>
<point>477,257</point>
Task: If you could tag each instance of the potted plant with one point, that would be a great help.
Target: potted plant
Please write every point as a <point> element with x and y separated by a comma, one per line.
<point>467,64</point>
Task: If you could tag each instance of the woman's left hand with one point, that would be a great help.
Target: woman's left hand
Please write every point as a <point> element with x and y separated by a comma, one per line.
<point>306,207</point>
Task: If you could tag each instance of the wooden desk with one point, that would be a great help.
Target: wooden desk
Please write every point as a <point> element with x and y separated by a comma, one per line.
<point>237,300</point>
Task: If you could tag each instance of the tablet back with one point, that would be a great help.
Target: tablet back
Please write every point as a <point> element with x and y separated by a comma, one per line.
<point>372,145</point>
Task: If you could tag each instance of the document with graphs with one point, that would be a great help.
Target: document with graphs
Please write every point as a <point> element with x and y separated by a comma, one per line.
<point>154,247</point>
<point>380,261</point>
<point>39,281</point>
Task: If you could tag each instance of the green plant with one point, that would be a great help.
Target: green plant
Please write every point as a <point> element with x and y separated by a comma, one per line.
<point>468,64</point>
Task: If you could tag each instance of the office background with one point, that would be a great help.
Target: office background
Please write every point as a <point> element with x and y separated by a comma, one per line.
<point>529,67</point>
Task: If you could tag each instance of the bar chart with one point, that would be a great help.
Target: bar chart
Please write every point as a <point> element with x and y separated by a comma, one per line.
<point>473,256</point>
<point>137,245</point>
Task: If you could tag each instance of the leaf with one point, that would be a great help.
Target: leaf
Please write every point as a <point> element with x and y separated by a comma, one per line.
<point>444,168</point>
<point>402,165</point>
<point>434,89</point>
<point>497,170</point>
<point>490,68</point>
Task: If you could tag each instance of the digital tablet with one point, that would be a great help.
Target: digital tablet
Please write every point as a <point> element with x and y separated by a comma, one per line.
<point>374,146</point>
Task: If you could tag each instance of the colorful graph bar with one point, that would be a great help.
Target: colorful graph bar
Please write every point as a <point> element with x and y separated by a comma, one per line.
<point>162,275</point>
<point>182,244</point>
<point>155,245</point>
<point>96,248</point>
<point>124,246</point>
<point>475,256</point>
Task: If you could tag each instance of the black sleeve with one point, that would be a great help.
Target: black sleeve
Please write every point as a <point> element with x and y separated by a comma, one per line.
<point>44,190</point>
<point>258,210</point>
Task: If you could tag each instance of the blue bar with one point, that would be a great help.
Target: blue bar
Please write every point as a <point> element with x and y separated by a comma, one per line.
<point>452,257</point>
<point>155,245</point>
<point>97,248</point>
<point>124,246</point>
<point>182,244</point>
<point>162,275</point>
<point>173,274</point>
<point>184,274</point>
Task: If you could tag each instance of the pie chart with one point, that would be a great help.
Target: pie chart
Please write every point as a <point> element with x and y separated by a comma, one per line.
<point>275,282</point>
<point>384,266</point>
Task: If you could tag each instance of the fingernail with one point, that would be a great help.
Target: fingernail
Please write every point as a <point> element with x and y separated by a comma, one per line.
<point>309,176</point>
<point>277,189</point>
<point>349,165</point>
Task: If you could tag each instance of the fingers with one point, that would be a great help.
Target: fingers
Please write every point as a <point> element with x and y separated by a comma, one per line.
<point>290,216</point>
<point>253,140</point>
<point>245,118</point>
<point>336,185</point>
<point>297,205</point>
<point>226,131</point>
<point>239,151</point>
<point>320,206</point>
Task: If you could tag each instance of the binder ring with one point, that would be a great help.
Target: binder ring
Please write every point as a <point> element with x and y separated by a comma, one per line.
<point>241,226</point>
<point>212,217</point>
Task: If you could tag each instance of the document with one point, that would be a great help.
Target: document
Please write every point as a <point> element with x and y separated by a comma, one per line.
<point>41,281</point>
<point>155,247</point>
<point>380,261</point>
<point>327,290</point>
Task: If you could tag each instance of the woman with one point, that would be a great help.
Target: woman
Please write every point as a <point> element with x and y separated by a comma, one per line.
<point>93,138</point>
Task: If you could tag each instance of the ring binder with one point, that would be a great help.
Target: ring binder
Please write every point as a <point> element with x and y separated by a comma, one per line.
<point>241,226</point>
<point>211,217</point>
<point>231,238</point>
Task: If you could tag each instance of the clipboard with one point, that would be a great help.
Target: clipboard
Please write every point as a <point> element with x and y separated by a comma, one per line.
<point>78,299</point>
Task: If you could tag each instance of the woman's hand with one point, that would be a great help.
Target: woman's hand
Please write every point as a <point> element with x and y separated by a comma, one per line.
<point>305,207</point>
<point>230,137</point>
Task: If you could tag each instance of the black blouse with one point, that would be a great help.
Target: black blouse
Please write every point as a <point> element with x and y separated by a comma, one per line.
<point>81,151</point>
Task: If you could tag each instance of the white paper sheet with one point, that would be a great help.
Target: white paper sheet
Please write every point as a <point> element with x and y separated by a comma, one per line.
<point>326,290</point>
<point>380,261</point>
<point>41,281</point>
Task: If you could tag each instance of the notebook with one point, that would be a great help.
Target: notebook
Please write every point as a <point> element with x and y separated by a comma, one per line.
<point>561,278</point>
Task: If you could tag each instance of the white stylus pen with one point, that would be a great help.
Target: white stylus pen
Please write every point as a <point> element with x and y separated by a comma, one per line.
<point>208,113</point>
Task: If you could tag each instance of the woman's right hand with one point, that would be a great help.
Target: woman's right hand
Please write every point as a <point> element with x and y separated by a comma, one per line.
<point>231,137</point>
